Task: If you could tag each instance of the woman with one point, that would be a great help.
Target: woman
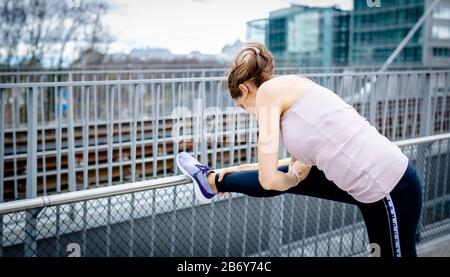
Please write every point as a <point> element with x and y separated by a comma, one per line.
<point>336,153</point>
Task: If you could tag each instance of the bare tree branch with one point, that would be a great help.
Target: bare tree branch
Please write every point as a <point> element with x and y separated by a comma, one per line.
<point>34,31</point>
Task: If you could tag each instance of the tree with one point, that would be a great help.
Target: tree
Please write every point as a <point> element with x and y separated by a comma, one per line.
<point>34,31</point>
<point>12,21</point>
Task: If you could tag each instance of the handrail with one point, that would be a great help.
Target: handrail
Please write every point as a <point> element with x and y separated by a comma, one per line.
<point>202,79</point>
<point>90,194</point>
<point>195,69</point>
<point>188,70</point>
<point>112,71</point>
<point>96,193</point>
<point>422,140</point>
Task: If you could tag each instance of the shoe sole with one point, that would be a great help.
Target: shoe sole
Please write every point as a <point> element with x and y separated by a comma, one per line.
<point>199,195</point>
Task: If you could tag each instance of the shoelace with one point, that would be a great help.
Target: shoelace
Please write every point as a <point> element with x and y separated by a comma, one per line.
<point>203,168</point>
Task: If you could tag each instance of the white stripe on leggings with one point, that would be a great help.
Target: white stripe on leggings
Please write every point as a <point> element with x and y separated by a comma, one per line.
<point>393,217</point>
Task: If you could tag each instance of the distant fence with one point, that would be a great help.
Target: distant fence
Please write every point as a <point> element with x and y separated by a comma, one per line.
<point>67,136</point>
<point>67,75</point>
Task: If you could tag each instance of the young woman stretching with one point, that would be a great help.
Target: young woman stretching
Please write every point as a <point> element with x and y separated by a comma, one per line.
<point>336,153</point>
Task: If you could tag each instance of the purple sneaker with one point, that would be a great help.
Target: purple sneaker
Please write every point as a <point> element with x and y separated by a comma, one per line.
<point>199,175</point>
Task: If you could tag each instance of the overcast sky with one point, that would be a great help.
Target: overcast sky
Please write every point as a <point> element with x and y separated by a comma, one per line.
<point>186,25</point>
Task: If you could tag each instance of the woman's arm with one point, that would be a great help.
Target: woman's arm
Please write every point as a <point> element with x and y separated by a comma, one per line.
<point>245,167</point>
<point>268,112</point>
<point>254,166</point>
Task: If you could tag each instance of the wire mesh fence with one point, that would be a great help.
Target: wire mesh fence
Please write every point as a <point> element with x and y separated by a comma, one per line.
<point>169,221</point>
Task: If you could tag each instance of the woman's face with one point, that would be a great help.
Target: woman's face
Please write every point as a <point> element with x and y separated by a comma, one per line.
<point>243,104</point>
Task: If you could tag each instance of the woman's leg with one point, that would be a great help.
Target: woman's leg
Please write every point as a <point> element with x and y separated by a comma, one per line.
<point>245,182</point>
<point>392,222</point>
<point>315,185</point>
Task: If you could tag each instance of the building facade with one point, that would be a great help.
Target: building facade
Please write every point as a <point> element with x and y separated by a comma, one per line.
<point>375,32</point>
<point>308,36</point>
<point>256,30</point>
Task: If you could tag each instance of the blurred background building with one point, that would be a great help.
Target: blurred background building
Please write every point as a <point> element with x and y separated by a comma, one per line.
<point>313,36</point>
<point>375,32</point>
<point>309,36</point>
<point>256,30</point>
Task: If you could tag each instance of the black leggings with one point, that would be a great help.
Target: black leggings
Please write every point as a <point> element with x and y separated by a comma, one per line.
<point>391,222</point>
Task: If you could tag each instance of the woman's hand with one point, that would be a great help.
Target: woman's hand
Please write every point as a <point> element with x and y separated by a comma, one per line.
<point>228,170</point>
<point>299,169</point>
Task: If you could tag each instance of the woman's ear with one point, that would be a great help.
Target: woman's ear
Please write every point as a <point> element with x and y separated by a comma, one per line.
<point>251,88</point>
<point>244,90</point>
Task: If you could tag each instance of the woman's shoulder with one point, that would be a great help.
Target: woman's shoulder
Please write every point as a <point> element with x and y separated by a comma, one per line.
<point>286,80</point>
<point>284,83</point>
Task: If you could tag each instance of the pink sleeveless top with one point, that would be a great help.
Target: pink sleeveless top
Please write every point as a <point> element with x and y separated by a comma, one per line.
<point>322,130</point>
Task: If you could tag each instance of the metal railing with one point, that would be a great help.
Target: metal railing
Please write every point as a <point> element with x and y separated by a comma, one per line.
<point>28,76</point>
<point>78,136</point>
<point>130,74</point>
<point>160,217</point>
<point>68,136</point>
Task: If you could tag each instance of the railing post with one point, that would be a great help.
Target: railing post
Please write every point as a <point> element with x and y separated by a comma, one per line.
<point>58,143</point>
<point>31,188</point>
<point>2,144</point>
<point>71,146</point>
<point>133,133</point>
<point>196,125</point>
<point>426,109</point>
<point>425,130</point>
<point>203,127</point>
<point>30,246</point>
<point>70,139</point>
<point>2,166</point>
<point>134,111</point>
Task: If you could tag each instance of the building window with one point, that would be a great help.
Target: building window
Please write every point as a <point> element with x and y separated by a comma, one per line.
<point>440,32</point>
<point>441,52</point>
<point>442,12</point>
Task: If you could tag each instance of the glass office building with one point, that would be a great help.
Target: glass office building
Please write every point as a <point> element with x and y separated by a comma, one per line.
<point>256,30</point>
<point>308,36</point>
<point>341,37</point>
<point>375,32</point>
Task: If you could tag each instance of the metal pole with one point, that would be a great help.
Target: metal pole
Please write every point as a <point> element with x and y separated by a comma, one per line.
<point>2,144</point>
<point>2,166</point>
<point>71,139</point>
<point>30,246</point>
